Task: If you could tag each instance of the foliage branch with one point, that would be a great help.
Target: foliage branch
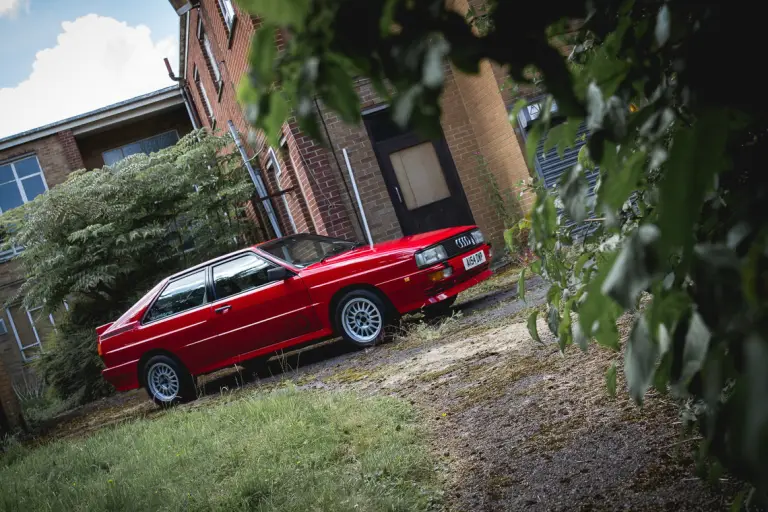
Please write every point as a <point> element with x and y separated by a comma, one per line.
<point>670,95</point>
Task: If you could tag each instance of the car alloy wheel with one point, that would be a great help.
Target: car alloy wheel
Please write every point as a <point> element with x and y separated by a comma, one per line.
<point>361,319</point>
<point>163,382</point>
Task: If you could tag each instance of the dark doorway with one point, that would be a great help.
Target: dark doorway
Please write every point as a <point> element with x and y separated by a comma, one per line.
<point>420,176</point>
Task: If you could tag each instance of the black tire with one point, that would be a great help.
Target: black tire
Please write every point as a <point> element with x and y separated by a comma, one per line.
<point>174,374</point>
<point>441,309</point>
<point>374,314</point>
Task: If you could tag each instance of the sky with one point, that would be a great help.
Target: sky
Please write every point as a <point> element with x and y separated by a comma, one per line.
<point>61,58</point>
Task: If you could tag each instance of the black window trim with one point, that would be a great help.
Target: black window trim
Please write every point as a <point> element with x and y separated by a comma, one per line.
<point>206,302</point>
<point>215,296</point>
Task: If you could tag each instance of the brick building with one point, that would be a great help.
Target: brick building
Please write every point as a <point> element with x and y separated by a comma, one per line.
<point>407,184</point>
<point>36,160</point>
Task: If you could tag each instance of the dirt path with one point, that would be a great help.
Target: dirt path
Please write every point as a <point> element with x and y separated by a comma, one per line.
<point>516,425</point>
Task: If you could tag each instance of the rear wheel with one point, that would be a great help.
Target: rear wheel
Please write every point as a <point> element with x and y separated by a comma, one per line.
<point>362,318</point>
<point>167,381</point>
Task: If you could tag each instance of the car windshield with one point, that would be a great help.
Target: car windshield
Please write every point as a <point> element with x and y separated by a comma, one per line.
<point>304,250</point>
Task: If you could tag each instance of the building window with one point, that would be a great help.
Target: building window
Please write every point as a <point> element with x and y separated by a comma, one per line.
<point>210,57</point>
<point>228,12</point>
<point>30,327</point>
<point>21,181</point>
<point>147,146</point>
<point>274,164</point>
<point>206,102</point>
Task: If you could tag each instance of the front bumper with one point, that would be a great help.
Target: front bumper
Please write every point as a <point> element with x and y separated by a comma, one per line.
<point>428,293</point>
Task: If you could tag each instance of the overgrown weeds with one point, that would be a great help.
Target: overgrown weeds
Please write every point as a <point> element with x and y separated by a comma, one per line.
<point>288,450</point>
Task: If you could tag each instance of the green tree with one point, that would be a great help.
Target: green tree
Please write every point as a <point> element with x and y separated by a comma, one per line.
<point>101,239</point>
<point>671,94</point>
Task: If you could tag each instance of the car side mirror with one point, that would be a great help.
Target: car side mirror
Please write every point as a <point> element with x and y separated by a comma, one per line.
<point>278,273</point>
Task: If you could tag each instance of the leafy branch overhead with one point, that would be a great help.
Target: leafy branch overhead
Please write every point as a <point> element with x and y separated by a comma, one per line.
<point>671,94</point>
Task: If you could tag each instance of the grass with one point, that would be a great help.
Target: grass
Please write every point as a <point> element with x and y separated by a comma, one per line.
<point>288,450</point>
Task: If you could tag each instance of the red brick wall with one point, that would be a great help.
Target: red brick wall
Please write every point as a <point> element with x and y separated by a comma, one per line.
<point>92,146</point>
<point>11,417</point>
<point>56,154</point>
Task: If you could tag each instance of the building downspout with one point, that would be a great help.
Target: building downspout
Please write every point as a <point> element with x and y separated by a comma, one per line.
<point>256,178</point>
<point>184,95</point>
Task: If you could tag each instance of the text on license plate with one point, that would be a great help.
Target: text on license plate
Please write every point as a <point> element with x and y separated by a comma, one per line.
<point>474,260</point>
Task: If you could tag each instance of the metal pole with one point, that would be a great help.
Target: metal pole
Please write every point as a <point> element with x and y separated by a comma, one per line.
<point>357,196</point>
<point>260,188</point>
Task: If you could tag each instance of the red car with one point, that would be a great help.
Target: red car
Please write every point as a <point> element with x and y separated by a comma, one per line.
<point>281,293</point>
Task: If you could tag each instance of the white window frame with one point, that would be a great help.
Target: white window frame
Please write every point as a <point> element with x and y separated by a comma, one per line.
<point>228,11</point>
<point>211,58</point>
<point>13,251</point>
<point>120,147</point>
<point>204,94</point>
<point>275,163</point>
<point>38,342</point>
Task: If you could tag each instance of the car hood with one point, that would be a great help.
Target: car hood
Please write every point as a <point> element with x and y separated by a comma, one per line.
<point>405,245</point>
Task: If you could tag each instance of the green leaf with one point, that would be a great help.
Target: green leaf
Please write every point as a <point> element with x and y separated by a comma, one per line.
<point>261,57</point>
<point>662,26</point>
<point>404,105</point>
<point>640,359</point>
<point>532,142</point>
<point>696,157</point>
<point>579,337</point>
<point>338,91</point>
<point>433,72</point>
<point>521,285</point>
<point>696,346</point>
<point>579,265</point>
<point>280,12</point>
<point>564,331</point>
<point>634,268</point>
<point>573,192</point>
<point>610,380</point>
<point>553,319</point>
<point>619,179</point>
<point>274,119</point>
<point>518,106</point>
<point>532,326</point>
<point>388,17</point>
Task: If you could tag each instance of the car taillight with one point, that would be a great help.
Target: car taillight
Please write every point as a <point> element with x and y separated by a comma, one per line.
<point>98,348</point>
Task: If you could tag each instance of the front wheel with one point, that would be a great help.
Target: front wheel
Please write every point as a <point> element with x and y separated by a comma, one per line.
<point>167,381</point>
<point>361,318</point>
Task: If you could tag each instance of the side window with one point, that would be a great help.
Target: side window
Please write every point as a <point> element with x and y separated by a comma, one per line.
<point>180,295</point>
<point>239,275</point>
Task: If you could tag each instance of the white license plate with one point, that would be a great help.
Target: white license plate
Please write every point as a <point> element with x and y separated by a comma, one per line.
<point>474,260</point>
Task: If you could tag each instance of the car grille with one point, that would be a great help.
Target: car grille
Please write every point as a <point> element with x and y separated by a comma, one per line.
<point>459,244</point>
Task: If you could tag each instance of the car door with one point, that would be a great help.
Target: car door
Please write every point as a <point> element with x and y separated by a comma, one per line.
<point>251,311</point>
<point>178,320</point>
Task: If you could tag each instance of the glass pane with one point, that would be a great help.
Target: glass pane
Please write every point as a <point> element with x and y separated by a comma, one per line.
<point>420,175</point>
<point>26,166</point>
<point>33,187</point>
<point>24,330</point>
<point>6,173</point>
<point>10,197</point>
<point>112,157</point>
<point>181,295</point>
<point>239,275</point>
<point>131,149</point>
<point>158,142</point>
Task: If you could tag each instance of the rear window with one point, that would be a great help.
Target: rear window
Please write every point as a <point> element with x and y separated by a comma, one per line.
<point>180,295</point>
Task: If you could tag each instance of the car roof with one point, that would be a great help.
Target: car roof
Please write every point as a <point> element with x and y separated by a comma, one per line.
<point>210,262</point>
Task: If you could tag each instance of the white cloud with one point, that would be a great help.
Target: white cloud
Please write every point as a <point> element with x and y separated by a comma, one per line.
<point>96,61</point>
<point>8,7</point>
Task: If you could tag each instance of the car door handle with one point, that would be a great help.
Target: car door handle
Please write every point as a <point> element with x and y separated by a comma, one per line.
<point>223,309</point>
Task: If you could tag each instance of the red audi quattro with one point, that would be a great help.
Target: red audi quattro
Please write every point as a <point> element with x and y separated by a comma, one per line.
<point>281,293</point>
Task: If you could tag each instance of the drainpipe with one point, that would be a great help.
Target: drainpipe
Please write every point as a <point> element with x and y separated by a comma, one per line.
<point>184,95</point>
<point>256,178</point>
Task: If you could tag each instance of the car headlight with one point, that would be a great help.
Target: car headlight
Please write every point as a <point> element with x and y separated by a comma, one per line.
<point>431,256</point>
<point>477,236</point>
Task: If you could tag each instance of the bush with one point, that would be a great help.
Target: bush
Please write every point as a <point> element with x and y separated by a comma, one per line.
<point>101,239</point>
